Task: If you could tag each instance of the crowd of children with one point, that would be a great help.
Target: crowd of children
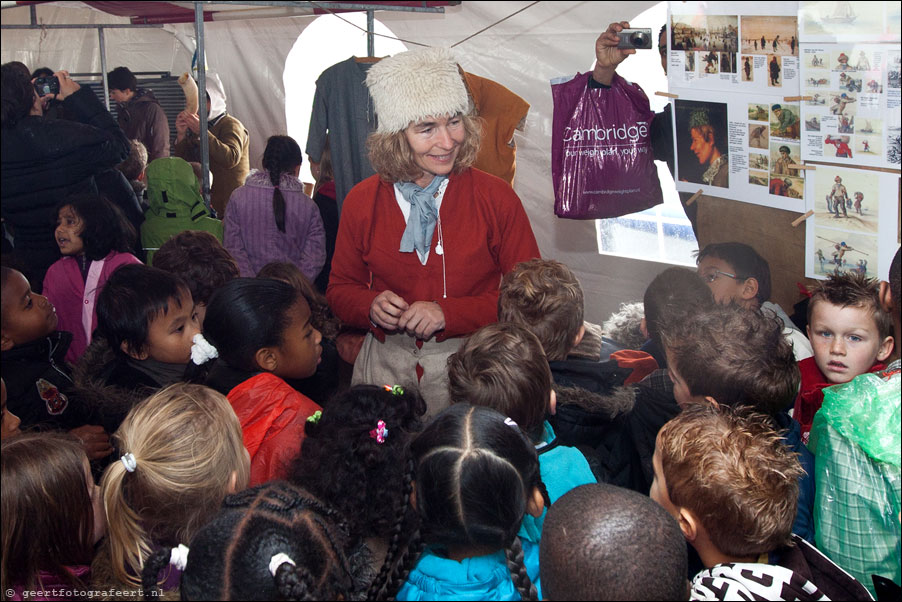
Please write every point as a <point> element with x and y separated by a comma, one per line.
<point>701,446</point>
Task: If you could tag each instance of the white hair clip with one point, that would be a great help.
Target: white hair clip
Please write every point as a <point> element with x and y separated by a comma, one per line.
<point>179,557</point>
<point>510,422</point>
<point>202,351</point>
<point>128,460</point>
<point>277,561</point>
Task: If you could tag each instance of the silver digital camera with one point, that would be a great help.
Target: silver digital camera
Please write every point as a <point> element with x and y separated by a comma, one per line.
<point>640,39</point>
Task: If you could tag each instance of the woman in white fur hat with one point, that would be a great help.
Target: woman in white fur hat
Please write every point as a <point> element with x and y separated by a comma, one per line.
<point>422,245</point>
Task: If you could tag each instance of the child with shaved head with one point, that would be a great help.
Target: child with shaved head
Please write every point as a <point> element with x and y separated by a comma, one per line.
<point>604,542</point>
<point>727,478</point>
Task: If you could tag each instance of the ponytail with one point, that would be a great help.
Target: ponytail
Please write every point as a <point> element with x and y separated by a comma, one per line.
<point>128,541</point>
<point>282,155</point>
<point>278,203</point>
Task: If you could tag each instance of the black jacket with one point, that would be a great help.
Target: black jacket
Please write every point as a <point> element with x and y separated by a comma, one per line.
<point>44,161</point>
<point>615,426</point>
<point>39,386</point>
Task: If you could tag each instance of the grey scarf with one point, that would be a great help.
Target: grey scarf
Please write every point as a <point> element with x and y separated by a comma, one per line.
<point>423,215</point>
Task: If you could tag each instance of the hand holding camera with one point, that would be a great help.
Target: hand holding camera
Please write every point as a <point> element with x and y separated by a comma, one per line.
<point>59,86</point>
<point>609,54</point>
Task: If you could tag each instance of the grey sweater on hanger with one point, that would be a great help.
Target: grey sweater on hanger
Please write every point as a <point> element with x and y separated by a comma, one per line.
<point>343,110</point>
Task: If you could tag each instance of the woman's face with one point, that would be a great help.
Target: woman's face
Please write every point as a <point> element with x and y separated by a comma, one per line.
<point>435,142</point>
<point>701,146</point>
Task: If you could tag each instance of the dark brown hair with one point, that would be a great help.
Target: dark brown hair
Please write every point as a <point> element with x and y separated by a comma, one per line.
<point>671,292</point>
<point>47,515</point>
<point>281,156</point>
<point>200,260</point>
<point>734,355</point>
<point>322,317</point>
<point>393,160</point>
<point>545,297</point>
<point>502,366</point>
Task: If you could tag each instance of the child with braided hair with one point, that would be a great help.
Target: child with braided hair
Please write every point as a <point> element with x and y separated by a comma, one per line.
<point>273,542</point>
<point>475,477</point>
<point>271,219</point>
<point>357,452</point>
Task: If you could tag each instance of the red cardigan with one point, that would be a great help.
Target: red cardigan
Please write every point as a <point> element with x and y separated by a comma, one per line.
<point>486,233</point>
<point>272,417</point>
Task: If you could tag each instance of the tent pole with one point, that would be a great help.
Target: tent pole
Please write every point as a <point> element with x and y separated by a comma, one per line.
<point>202,104</point>
<point>370,29</point>
<point>103,71</point>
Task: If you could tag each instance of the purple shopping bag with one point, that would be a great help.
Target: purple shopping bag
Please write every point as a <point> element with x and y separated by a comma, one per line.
<point>602,163</point>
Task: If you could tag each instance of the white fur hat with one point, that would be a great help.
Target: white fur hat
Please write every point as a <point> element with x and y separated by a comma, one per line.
<point>413,85</point>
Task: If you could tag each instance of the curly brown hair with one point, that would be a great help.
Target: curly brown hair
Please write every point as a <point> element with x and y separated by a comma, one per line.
<point>200,259</point>
<point>734,473</point>
<point>393,160</point>
<point>545,297</point>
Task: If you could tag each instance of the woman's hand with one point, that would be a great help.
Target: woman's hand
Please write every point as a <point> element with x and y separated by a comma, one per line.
<point>387,309</point>
<point>422,319</point>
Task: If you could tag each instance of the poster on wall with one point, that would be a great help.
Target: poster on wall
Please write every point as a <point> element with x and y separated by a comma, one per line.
<point>739,147</point>
<point>851,111</point>
<point>747,46</point>
<point>854,226</point>
<point>859,21</point>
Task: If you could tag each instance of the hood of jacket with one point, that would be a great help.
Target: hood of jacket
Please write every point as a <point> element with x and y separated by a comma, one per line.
<point>141,95</point>
<point>217,97</point>
<point>173,191</point>
<point>110,403</point>
<point>259,178</point>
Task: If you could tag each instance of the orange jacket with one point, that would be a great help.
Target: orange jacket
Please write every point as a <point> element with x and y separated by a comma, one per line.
<point>272,417</point>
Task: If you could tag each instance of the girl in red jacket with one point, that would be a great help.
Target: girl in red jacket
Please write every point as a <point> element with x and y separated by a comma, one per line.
<point>262,332</point>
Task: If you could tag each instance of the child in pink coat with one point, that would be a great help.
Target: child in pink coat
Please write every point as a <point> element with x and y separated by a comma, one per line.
<point>95,240</point>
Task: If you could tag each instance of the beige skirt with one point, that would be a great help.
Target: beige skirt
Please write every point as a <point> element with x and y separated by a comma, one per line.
<point>395,361</point>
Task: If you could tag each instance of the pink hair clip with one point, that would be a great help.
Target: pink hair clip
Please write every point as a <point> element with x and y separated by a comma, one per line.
<point>380,432</point>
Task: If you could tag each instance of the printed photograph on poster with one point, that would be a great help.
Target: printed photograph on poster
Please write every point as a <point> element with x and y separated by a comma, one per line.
<point>782,156</point>
<point>758,161</point>
<point>748,74</point>
<point>769,35</point>
<point>707,32</point>
<point>838,252</point>
<point>784,121</point>
<point>850,104</point>
<point>758,136</point>
<point>848,201</point>
<point>701,142</point>
<point>726,149</point>
<point>751,46</point>
<point>859,21</point>
<point>758,178</point>
<point>854,226</point>
<point>759,112</point>
<point>711,61</point>
<point>774,69</point>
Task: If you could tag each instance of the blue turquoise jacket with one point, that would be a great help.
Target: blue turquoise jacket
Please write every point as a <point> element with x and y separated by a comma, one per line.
<point>480,578</point>
<point>562,469</point>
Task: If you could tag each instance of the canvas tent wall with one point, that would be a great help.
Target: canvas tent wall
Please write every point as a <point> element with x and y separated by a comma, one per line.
<point>547,40</point>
